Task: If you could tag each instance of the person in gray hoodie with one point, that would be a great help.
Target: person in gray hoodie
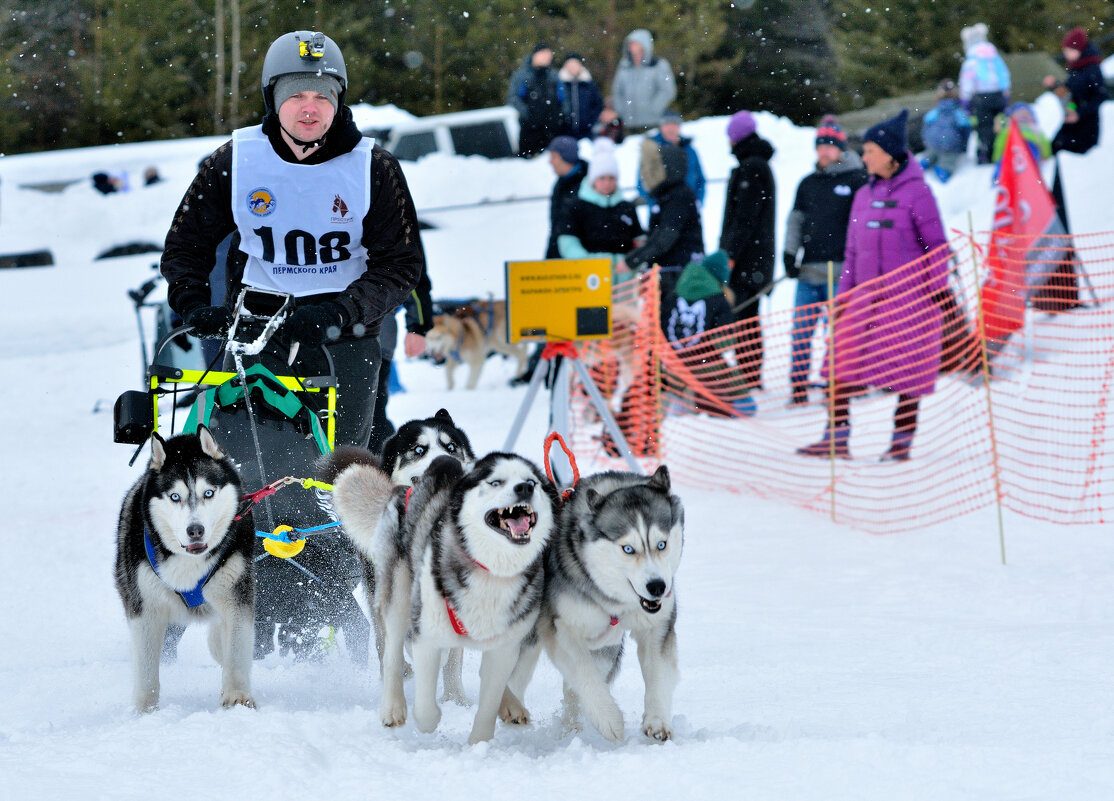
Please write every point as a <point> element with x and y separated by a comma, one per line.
<point>643,86</point>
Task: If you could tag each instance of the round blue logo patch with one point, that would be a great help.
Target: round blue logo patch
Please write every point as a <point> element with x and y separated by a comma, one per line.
<point>261,201</point>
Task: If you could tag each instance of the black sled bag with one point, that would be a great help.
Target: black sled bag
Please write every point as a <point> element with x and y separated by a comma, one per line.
<point>314,587</point>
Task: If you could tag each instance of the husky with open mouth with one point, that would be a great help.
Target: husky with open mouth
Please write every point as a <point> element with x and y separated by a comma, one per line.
<point>465,569</point>
<point>371,491</point>
<point>610,569</point>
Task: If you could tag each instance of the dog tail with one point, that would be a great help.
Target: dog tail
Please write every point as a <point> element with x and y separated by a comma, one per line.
<point>360,495</point>
<point>329,467</point>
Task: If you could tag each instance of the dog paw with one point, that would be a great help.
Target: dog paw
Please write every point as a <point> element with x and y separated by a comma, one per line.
<point>393,717</point>
<point>232,699</point>
<point>654,727</point>
<point>608,721</point>
<point>512,712</point>
<point>427,719</point>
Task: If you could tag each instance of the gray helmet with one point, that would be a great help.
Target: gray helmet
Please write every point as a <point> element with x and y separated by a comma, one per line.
<point>302,51</point>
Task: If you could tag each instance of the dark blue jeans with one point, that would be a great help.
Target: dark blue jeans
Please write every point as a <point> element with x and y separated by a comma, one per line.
<point>806,315</point>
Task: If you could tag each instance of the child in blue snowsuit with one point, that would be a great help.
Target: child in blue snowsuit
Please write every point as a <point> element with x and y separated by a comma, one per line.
<point>945,131</point>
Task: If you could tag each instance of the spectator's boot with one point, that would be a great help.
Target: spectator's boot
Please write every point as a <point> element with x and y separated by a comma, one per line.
<point>823,449</point>
<point>899,448</point>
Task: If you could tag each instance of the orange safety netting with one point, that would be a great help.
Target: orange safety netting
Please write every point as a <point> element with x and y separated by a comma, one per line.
<point>1021,423</point>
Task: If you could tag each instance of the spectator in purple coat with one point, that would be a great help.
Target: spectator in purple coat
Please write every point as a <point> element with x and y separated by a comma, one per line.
<point>888,332</point>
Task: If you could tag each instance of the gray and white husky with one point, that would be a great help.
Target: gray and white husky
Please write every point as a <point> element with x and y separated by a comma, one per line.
<point>464,569</point>
<point>364,490</point>
<point>182,556</point>
<point>610,569</point>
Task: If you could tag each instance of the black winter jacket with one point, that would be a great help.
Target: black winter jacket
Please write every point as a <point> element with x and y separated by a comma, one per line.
<point>602,225</point>
<point>676,233</point>
<point>818,221</point>
<point>1088,90</point>
<point>390,232</point>
<point>564,195</point>
<point>748,217</point>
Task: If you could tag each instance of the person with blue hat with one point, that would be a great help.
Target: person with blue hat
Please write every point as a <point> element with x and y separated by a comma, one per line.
<point>889,326</point>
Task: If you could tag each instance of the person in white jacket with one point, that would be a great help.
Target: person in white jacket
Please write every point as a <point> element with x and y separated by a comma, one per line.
<point>984,85</point>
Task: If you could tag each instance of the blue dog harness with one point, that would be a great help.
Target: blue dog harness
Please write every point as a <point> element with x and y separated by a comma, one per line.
<point>191,598</point>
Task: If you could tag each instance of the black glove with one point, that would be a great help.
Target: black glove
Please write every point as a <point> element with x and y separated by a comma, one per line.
<point>791,268</point>
<point>209,322</point>
<point>313,325</point>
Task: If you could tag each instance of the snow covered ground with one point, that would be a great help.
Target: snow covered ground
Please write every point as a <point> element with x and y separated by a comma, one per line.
<point>817,662</point>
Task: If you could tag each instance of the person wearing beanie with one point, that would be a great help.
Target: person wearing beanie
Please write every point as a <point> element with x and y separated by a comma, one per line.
<point>570,169</point>
<point>669,133</point>
<point>888,329</point>
<point>536,94</point>
<point>747,234</point>
<point>320,214</point>
<point>305,175</point>
<point>695,320</point>
<point>599,223</point>
<point>583,100</point>
<point>945,131</point>
<point>1081,94</point>
<point>643,85</point>
<point>984,84</point>
<point>815,234</point>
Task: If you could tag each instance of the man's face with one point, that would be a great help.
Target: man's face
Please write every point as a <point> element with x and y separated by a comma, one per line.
<point>636,52</point>
<point>671,132</point>
<point>542,58</point>
<point>827,154</point>
<point>306,116</point>
<point>559,165</point>
<point>573,67</point>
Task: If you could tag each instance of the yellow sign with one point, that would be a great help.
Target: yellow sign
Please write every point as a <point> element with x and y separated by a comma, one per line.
<point>558,300</point>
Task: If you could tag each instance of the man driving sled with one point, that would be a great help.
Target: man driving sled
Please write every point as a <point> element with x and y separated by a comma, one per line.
<point>318,212</point>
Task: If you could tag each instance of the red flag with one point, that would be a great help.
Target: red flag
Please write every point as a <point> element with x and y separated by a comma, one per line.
<point>1023,214</point>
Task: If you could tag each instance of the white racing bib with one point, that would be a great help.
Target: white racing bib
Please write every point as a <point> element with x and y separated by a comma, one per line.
<point>300,225</point>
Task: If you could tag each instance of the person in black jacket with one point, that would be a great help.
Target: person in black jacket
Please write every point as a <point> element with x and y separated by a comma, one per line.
<point>570,169</point>
<point>1082,92</point>
<point>309,223</point>
<point>676,235</point>
<point>599,222</point>
<point>537,94</point>
<point>815,235</point>
<point>582,98</point>
<point>748,234</point>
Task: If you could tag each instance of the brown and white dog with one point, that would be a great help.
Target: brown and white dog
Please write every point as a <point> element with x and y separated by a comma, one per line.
<point>471,333</point>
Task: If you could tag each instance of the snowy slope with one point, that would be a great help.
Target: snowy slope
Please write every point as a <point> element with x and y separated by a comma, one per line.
<point>817,662</point>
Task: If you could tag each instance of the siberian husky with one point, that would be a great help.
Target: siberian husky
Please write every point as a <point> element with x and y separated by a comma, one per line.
<point>610,569</point>
<point>364,491</point>
<point>463,570</point>
<point>183,555</point>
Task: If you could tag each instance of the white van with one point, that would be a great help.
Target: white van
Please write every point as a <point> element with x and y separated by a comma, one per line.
<point>489,132</point>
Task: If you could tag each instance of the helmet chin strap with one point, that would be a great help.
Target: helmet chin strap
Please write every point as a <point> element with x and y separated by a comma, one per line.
<point>306,146</point>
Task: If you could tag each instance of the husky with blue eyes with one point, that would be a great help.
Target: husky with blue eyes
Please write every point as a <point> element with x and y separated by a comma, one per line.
<point>184,555</point>
<point>610,569</point>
